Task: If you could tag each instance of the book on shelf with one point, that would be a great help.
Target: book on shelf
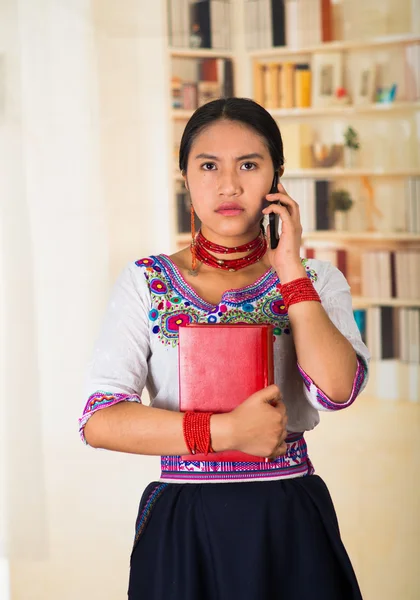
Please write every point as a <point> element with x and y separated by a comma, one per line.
<point>199,23</point>
<point>391,274</point>
<point>391,217</point>
<point>282,84</point>
<point>264,23</point>
<point>294,23</point>
<point>386,274</point>
<point>198,81</point>
<point>391,332</point>
<point>336,256</point>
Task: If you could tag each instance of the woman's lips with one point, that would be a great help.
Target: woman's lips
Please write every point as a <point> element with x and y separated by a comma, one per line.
<point>229,209</point>
<point>230,212</point>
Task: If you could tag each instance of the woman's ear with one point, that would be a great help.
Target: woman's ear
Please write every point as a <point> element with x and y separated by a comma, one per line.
<point>281,171</point>
<point>184,176</point>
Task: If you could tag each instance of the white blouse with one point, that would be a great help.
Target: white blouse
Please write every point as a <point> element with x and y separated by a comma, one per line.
<point>137,346</point>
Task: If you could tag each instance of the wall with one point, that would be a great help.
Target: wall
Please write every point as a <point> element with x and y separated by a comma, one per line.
<point>83,190</point>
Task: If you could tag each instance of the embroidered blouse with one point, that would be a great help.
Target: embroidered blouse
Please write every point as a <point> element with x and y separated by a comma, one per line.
<point>137,348</point>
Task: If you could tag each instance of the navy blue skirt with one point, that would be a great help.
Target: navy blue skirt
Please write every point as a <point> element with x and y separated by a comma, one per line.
<point>263,540</point>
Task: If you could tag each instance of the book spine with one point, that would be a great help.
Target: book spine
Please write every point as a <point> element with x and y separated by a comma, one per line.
<point>326,21</point>
<point>287,85</point>
<point>229,84</point>
<point>259,82</point>
<point>360,318</point>
<point>200,24</point>
<point>291,14</point>
<point>273,100</point>
<point>189,95</point>
<point>322,205</point>
<point>342,261</point>
<point>387,332</point>
<point>302,85</point>
<point>279,23</point>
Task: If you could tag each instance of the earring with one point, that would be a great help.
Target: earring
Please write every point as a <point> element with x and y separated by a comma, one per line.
<point>193,270</point>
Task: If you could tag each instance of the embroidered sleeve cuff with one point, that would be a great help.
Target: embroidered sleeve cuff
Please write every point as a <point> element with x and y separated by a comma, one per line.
<point>100,400</point>
<point>321,401</point>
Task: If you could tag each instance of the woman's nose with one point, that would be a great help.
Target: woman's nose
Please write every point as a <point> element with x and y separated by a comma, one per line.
<point>229,184</point>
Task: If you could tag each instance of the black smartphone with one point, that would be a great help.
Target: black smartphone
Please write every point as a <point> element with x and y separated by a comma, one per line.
<point>273,217</point>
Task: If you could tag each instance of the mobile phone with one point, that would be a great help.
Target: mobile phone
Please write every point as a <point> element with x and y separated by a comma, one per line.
<point>273,217</point>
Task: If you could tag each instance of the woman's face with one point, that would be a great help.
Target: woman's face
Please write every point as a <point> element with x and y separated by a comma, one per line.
<point>229,172</point>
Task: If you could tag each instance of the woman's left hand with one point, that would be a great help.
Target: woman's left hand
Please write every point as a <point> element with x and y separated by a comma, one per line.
<point>285,259</point>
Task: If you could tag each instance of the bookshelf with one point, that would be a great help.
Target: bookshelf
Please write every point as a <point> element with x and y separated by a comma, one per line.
<point>303,114</point>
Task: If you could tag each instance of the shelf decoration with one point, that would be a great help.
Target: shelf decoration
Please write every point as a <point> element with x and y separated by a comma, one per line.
<point>351,145</point>
<point>326,155</point>
<point>365,85</point>
<point>340,203</point>
<point>371,208</point>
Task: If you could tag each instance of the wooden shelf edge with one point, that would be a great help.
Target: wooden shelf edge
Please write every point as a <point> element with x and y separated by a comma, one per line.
<point>346,109</point>
<point>341,172</point>
<point>180,114</point>
<point>377,42</point>
<point>200,53</point>
<point>363,302</point>
<point>375,236</point>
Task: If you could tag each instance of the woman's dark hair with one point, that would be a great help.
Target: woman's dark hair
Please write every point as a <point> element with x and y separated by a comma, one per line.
<point>242,110</point>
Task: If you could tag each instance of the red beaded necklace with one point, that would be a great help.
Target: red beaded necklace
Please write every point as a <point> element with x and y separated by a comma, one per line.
<point>202,248</point>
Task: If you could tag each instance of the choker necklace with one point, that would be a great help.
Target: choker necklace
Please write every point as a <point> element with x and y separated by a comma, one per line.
<point>201,248</point>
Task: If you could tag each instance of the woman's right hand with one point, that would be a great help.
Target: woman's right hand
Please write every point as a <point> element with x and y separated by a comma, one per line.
<point>258,425</point>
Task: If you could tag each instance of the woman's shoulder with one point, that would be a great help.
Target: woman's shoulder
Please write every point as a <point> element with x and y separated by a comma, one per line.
<point>325,275</point>
<point>150,272</point>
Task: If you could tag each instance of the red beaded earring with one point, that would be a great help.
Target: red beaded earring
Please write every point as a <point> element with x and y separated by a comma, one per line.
<point>193,270</point>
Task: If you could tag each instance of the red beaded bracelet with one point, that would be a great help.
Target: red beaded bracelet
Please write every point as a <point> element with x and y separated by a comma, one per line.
<point>298,290</point>
<point>196,427</point>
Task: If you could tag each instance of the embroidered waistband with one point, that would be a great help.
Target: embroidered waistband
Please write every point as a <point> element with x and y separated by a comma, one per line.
<point>295,463</point>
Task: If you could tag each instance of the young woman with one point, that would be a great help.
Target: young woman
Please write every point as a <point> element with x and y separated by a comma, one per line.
<point>219,531</point>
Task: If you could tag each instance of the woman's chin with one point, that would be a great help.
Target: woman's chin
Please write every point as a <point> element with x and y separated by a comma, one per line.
<point>230,229</point>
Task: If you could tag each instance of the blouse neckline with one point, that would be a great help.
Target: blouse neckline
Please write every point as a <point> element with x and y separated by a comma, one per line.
<point>265,281</point>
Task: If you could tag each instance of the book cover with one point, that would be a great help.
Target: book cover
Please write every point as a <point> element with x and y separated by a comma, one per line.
<point>220,366</point>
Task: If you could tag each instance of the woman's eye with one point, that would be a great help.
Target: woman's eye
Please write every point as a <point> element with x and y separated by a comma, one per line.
<point>249,166</point>
<point>208,166</point>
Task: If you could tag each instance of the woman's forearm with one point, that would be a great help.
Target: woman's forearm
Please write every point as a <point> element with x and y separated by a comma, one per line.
<point>322,351</point>
<point>138,429</point>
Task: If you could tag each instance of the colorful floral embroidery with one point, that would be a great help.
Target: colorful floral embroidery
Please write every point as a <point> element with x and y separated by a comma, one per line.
<point>100,400</point>
<point>175,303</point>
<point>323,400</point>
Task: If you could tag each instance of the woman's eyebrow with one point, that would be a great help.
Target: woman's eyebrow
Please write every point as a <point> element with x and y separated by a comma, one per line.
<point>243,157</point>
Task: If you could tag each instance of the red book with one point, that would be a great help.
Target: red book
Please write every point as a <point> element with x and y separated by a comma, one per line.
<point>220,366</point>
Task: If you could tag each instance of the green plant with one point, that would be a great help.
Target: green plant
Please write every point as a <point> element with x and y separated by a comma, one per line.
<point>341,200</point>
<point>351,138</point>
